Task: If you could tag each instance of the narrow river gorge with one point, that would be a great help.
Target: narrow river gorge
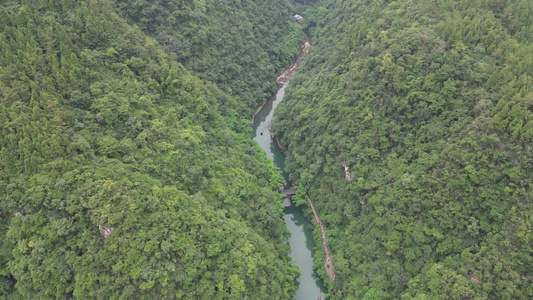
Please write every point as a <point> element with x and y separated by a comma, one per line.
<point>310,286</point>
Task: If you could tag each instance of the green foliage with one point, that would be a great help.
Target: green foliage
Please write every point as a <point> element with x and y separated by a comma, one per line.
<point>427,106</point>
<point>239,45</point>
<point>301,196</point>
<point>122,174</point>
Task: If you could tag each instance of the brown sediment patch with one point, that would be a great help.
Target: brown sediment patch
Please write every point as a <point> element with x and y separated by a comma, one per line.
<point>328,263</point>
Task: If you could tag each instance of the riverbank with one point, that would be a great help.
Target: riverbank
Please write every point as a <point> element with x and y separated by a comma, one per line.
<point>301,241</point>
<point>284,78</point>
<point>264,137</point>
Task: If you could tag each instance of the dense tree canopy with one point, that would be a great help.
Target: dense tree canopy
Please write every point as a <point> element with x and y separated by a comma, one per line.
<point>410,124</point>
<point>127,168</point>
<point>123,174</point>
<point>239,45</point>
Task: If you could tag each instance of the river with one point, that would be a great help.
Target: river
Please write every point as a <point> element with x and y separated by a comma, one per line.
<point>310,286</point>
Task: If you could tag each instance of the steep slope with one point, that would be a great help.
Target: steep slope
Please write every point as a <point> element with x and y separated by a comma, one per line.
<point>119,178</point>
<point>410,124</point>
<point>239,45</point>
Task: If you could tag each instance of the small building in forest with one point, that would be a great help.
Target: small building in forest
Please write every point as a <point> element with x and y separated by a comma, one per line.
<point>298,18</point>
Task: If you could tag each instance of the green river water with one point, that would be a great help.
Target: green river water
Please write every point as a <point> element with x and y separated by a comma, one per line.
<point>310,286</point>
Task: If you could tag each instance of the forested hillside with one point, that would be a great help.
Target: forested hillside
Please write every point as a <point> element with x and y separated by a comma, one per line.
<point>123,175</point>
<point>239,45</point>
<point>410,125</point>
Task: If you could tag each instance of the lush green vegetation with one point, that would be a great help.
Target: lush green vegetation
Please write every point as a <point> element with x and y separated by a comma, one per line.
<point>127,168</point>
<point>239,45</point>
<point>429,106</point>
<point>123,175</point>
